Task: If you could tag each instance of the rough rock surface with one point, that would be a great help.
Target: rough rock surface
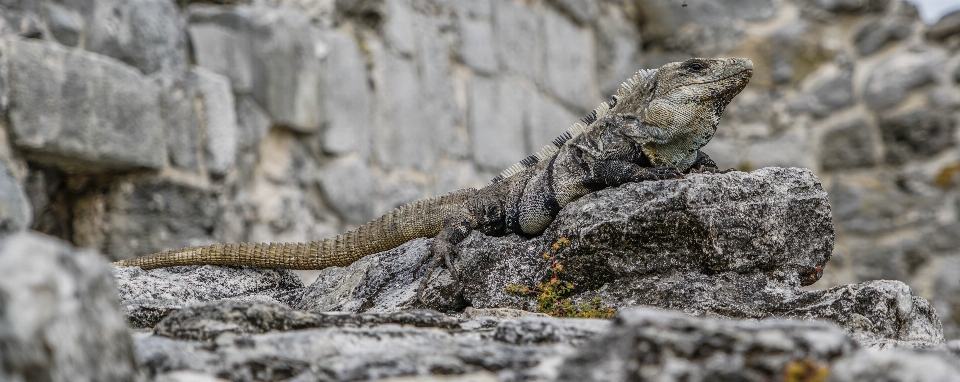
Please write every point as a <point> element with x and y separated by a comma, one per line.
<point>59,317</point>
<point>229,340</point>
<point>148,296</point>
<point>733,245</point>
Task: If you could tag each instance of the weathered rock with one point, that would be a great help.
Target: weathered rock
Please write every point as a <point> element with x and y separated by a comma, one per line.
<point>16,213</point>
<point>177,215</point>
<point>60,320</point>
<point>568,73</point>
<point>655,345</point>
<point>220,119</point>
<point>207,320</point>
<point>148,34</point>
<point>497,109</point>
<point>894,365</point>
<point>349,185</point>
<point>81,111</point>
<point>424,344</point>
<point>65,24</point>
<point>349,102</point>
<point>826,96</point>
<point>874,35</point>
<point>476,45</point>
<point>517,30</point>
<point>181,122</point>
<point>849,146</point>
<point>850,6</point>
<point>947,26</point>
<point>147,297</point>
<point>273,53</point>
<point>917,134</point>
<point>890,82</point>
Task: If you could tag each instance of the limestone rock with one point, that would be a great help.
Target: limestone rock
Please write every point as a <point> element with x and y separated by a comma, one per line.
<point>148,34</point>
<point>81,111</point>
<point>890,82</point>
<point>148,296</point>
<point>917,134</point>
<point>60,319</point>
<point>220,121</point>
<point>16,212</point>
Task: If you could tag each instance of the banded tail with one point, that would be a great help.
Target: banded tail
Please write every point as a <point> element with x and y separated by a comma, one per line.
<point>422,218</point>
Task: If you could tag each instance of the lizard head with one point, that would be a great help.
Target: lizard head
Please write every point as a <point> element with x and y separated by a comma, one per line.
<point>683,102</point>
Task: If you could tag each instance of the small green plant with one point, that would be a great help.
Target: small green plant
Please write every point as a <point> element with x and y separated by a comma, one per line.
<point>551,295</point>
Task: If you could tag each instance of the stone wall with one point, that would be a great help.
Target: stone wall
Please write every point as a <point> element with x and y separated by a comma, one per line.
<point>132,126</point>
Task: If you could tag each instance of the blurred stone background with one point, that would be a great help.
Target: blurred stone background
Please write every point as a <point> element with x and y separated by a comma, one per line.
<point>134,126</point>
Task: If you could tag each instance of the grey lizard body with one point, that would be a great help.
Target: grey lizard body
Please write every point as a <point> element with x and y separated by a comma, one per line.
<point>651,129</point>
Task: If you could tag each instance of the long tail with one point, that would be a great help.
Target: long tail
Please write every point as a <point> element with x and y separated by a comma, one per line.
<point>422,218</point>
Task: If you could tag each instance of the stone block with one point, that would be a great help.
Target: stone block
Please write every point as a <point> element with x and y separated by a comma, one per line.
<point>181,122</point>
<point>618,42</point>
<point>477,48</point>
<point>918,134</point>
<point>517,31</point>
<point>61,319</point>
<point>947,26</point>
<point>889,83</point>
<point>348,186</point>
<point>81,111</point>
<point>148,34</point>
<point>582,11</point>
<point>66,25</point>
<point>16,213</point>
<point>880,201</point>
<point>875,34</point>
<point>225,49</point>
<point>496,122</point>
<point>439,105</point>
<point>274,53</point>
<point>253,123</point>
<point>568,61</point>
<point>220,120</point>
<point>398,28</point>
<point>349,102</point>
<point>147,216</point>
<point>826,96</point>
<point>850,6</point>
<point>405,136</point>
<point>848,146</point>
<point>546,120</point>
<point>946,295</point>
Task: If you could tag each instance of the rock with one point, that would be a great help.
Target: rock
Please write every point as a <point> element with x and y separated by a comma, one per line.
<point>894,365</point>
<point>181,122</point>
<point>878,314</point>
<point>917,134</point>
<point>275,54</point>
<point>569,73</point>
<point>252,124</point>
<point>208,320</point>
<point>582,11</point>
<point>477,47</point>
<point>826,96</point>
<point>646,344</point>
<point>16,213</point>
<point>148,34</point>
<point>517,31</point>
<point>65,24</point>
<point>176,215</point>
<point>220,120</point>
<point>850,6</point>
<point>617,42</point>
<point>946,291</point>
<point>947,26</point>
<point>497,113</point>
<point>546,120</point>
<point>849,146</point>
<point>876,202</point>
<point>349,185</point>
<point>889,83</point>
<point>146,297</point>
<point>874,35</point>
<point>349,102</point>
<point>60,317</point>
<point>81,111</point>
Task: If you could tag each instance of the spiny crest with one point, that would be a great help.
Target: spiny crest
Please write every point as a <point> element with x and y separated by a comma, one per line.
<point>643,77</point>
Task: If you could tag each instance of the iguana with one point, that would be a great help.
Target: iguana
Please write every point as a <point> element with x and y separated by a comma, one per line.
<point>652,129</point>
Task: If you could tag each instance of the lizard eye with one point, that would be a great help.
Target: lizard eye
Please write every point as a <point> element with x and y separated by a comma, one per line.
<point>696,66</point>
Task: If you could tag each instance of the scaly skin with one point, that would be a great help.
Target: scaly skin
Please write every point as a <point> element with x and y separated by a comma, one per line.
<point>651,129</point>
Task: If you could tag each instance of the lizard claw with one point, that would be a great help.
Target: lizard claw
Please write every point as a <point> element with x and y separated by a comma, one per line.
<point>435,260</point>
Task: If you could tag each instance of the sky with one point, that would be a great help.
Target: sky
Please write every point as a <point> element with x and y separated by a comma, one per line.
<point>931,10</point>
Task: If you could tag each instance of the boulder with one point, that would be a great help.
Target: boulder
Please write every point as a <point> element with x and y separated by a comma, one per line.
<point>59,317</point>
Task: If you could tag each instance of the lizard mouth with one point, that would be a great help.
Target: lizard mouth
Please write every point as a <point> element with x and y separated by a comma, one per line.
<point>748,72</point>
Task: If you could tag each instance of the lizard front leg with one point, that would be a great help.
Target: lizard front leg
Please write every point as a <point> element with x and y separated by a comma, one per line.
<point>612,173</point>
<point>456,228</point>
